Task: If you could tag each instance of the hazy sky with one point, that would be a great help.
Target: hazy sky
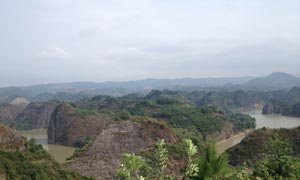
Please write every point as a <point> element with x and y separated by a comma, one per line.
<point>45,41</point>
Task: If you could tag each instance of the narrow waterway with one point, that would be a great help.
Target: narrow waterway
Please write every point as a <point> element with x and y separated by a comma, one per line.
<point>60,153</point>
<point>269,121</point>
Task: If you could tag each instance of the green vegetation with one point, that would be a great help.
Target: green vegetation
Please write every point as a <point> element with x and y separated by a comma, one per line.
<point>21,124</point>
<point>206,164</point>
<point>33,163</point>
<point>131,167</point>
<point>82,141</point>
<point>171,107</point>
<point>240,121</point>
<point>135,167</point>
<point>255,146</point>
<point>280,163</point>
<point>86,112</point>
<point>209,165</point>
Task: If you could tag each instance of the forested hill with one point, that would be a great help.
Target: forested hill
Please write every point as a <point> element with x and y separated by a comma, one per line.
<point>256,146</point>
<point>77,90</point>
<point>175,109</point>
<point>274,81</point>
<point>172,107</point>
<point>22,159</point>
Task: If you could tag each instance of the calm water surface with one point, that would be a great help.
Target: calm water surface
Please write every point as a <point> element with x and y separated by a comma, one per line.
<point>60,153</point>
<point>269,121</point>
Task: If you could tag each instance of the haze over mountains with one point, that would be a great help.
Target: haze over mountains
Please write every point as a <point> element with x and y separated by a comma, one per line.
<point>274,81</point>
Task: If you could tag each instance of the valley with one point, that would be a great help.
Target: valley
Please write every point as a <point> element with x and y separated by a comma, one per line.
<point>89,136</point>
<point>60,153</point>
<point>149,90</point>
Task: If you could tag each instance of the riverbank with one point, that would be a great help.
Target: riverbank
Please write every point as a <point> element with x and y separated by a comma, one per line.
<point>233,140</point>
<point>268,121</point>
<point>59,153</point>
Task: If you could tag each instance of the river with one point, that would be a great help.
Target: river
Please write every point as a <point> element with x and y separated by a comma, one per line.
<point>269,121</point>
<point>60,153</point>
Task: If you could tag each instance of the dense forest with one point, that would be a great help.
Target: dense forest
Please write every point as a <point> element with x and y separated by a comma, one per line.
<point>171,107</point>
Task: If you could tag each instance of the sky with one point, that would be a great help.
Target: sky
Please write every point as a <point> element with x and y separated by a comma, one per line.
<point>46,41</point>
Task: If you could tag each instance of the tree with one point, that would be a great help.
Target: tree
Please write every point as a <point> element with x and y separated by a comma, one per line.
<point>130,167</point>
<point>190,150</point>
<point>279,164</point>
<point>210,165</point>
<point>160,157</point>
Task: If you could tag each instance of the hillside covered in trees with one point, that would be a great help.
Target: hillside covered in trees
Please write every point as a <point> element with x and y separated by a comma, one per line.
<point>22,159</point>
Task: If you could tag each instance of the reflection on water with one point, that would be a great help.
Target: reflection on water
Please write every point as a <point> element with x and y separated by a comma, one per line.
<point>269,121</point>
<point>60,153</point>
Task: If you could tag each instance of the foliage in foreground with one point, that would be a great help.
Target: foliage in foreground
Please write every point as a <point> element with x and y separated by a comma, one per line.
<point>33,163</point>
<point>280,164</point>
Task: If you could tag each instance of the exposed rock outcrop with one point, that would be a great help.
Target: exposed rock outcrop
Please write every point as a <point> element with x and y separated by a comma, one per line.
<point>9,112</point>
<point>276,107</point>
<point>273,107</point>
<point>293,110</point>
<point>21,159</point>
<point>20,101</point>
<point>37,114</point>
<point>226,132</point>
<point>10,140</point>
<point>67,125</point>
<point>103,155</point>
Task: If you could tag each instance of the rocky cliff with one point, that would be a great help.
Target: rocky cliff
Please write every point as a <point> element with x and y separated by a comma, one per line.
<point>21,159</point>
<point>277,107</point>
<point>293,110</point>
<point>103,155</point>
<point>9,112</point>
<point>68,124</point>
<point>10,140</point>
<point>273,107</point>
<point>226,132</point>
<point>36,115</point>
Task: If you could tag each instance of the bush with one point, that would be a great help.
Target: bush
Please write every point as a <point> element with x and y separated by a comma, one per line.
<point>82,141</point>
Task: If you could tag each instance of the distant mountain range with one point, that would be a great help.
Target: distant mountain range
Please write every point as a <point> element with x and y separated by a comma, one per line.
<point>274,81</point>
<point>77,90</point>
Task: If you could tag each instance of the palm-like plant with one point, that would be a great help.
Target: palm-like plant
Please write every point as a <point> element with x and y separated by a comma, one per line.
<point>210,165</point>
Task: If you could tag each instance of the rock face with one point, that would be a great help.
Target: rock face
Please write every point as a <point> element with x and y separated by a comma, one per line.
<point>10,140</point>
<point>38,114</point>
<point>8,113</point>
<point>20,101</point>
<point>293,110</point>
<point>67,125</point>
<point>103,155</point>
<point>226,132</point>
<point>273,107</point>
<point>276,107</point>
